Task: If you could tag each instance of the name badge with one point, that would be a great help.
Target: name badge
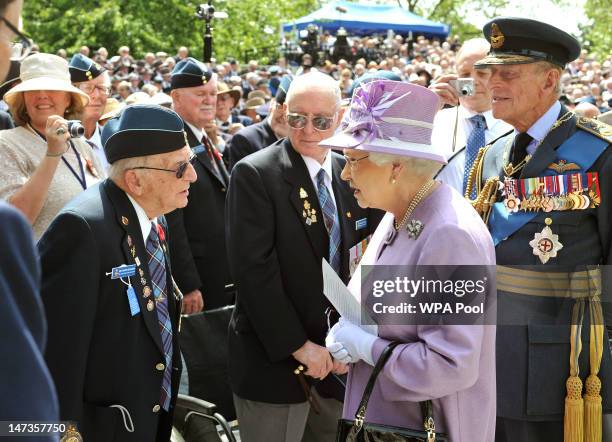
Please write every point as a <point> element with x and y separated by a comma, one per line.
<point>134,306</point>
<point>123,271</point>
<point>361,223</point>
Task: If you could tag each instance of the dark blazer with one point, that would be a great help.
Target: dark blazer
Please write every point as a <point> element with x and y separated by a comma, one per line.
<point>275,258</point>
<point>533,354</point>
<point>198,234</point>
<point>98,353</point>
<point>28,392</point>
<point>249,140</point>
<point>6,121</point>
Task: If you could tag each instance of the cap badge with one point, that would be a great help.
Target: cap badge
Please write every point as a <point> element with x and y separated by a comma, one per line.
<point>204,80</point>
<point>89,75</point>
<point>497,38</point>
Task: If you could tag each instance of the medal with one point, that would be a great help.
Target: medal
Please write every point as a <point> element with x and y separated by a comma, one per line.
<point>546,244</point>
<point>146,291</point>
<point>303,193</point>
<point>512,203</point>
<point>150,305</point>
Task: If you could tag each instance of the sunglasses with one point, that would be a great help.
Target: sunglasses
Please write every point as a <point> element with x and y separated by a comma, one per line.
<point>179,171</point>
<point>299,121</point>
<point>21,45</point>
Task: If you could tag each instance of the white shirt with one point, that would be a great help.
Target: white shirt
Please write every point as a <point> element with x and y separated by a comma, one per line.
<point>313,169</point>
<point>442,140</point>
<point>197,132</point>
<point>540,128</point>
<point>96,145</point>
<point>143,219</point>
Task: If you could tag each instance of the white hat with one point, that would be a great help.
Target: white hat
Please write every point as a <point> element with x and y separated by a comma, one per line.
<point>45,72</point>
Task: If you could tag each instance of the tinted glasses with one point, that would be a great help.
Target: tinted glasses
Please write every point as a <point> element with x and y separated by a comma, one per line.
<point>299,121</point>
<point>179,171</point>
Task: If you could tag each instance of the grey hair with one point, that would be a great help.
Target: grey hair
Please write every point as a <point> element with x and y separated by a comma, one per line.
<point>417,166</point>
<point>117,170</point>
<point>314,81</point>
<point>545,66</point>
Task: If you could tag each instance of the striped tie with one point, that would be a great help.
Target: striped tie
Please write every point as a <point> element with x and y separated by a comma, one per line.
<point>330,218</point>
<point>157,268</point>
<point>475,141</point>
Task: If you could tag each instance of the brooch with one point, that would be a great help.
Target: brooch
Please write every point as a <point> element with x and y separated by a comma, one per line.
<point>414,228</point>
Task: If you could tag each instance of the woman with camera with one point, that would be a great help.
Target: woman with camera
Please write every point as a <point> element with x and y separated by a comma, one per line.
<point>45,162</point>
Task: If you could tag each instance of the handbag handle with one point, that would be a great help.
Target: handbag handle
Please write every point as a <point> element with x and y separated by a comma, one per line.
<point>426,406</point>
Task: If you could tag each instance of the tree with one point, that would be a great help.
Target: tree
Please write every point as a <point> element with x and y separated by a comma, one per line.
<point>161,25</point>
<point>596,34</point>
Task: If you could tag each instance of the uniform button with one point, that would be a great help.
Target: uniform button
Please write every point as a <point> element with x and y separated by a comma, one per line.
<point>156,408</point>
<point>223,189</point>
<point>160,367</point>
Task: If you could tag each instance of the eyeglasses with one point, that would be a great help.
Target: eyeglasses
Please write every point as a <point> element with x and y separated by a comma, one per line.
<point>352,161</point>
<point>179,171</point>
<point>90,88</point>
<point>21,45</point>
<point>299,121</point>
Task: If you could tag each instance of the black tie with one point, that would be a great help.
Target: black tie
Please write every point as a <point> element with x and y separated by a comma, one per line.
<point>519,147</point>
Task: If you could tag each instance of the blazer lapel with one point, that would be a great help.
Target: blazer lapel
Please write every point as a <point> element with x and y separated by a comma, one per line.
<point>546,154</point>
<point>204,159</point>
<point>134,251</point>
<point>303,197</point>
<point>344,197</point>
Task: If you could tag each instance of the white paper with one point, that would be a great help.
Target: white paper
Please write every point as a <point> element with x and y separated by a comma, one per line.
<point>345,302</point>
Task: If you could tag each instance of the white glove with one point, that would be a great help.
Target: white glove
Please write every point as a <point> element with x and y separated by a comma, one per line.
<point>348,343</point>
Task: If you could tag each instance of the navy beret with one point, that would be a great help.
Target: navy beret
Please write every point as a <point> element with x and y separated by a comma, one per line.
<point>283,88</point>
<point>189,72</point>
<point>140,130</point>
<point>522,40</point>
<point>83,68</point>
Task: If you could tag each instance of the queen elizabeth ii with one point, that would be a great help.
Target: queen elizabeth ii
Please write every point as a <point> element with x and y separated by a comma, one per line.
<point>390,165</point>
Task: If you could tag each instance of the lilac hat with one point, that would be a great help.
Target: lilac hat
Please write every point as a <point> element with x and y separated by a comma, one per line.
<point>390,117</point>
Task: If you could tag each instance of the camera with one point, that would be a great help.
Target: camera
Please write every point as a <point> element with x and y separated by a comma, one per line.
<point>75,129</point>
<point>465,86</point>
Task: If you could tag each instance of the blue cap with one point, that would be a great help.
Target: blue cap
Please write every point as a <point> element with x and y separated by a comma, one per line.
<point>190,72</point>
<point>369,76</point>
<point>140,130</point>
<point>283,88</point>
<point>83,68</point>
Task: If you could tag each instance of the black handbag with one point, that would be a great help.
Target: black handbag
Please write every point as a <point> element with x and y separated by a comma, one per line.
<point>359,431</point>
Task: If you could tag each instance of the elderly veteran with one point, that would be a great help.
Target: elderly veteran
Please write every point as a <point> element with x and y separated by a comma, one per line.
<point>42,166</point>
<point>288,209</point>
<point>550,223</point>
<point>198,230</point>
<point>390,165</point>
<point>94,80</point>
<point>112,307</point>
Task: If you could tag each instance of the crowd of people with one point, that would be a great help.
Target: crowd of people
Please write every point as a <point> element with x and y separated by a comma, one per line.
<point>160,188</point>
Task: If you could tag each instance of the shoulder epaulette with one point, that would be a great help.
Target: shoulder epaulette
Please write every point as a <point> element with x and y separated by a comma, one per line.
<point>596,127</point>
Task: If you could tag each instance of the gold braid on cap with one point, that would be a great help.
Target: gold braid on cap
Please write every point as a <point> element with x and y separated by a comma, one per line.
<point>485,195</point>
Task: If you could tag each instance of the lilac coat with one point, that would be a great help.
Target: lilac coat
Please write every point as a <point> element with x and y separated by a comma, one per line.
<point>452,365</point>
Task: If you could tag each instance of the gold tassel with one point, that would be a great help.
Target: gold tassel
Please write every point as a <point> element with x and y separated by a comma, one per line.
<point>592,410</point>
<point>592,397</point>
<point>573,421</point>
<point>574,411</point>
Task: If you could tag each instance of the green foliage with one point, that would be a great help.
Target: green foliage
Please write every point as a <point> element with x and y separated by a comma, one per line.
<point>596,35</point>
<point>161,25</point>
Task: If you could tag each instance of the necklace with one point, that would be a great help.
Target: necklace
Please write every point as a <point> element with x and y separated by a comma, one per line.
<point>413,204</point>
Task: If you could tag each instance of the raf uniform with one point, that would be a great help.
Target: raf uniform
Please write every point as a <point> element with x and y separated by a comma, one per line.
<point>105,351</point>
<point>83,69</point>
<point>276,241</point>
<point>548,256</point>
<point>198,230</point>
